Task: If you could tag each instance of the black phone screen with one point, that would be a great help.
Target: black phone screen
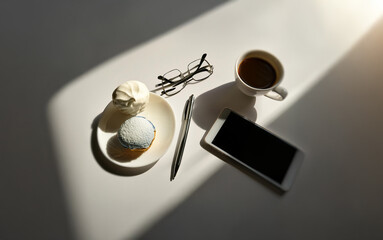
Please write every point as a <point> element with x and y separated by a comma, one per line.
<point>255,147</point>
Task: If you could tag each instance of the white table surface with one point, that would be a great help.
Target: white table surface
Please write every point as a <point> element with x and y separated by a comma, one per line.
<point>308,37</point>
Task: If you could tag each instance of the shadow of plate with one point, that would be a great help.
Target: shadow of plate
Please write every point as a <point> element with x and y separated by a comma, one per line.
<point>119,154</point>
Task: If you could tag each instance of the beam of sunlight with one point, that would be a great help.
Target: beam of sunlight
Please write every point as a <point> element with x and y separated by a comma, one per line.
<point>307,36</point>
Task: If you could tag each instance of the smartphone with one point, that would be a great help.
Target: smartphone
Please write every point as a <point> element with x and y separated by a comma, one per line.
<point>255,148</point>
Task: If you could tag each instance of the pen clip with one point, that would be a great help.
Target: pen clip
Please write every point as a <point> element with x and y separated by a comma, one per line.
<point>186,109</point>
<point>189,107</point>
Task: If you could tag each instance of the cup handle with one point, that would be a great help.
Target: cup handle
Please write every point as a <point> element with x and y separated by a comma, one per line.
<point>279,93</point>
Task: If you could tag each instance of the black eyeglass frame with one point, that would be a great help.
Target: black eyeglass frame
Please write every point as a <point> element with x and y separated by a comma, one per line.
<point>184,78</point>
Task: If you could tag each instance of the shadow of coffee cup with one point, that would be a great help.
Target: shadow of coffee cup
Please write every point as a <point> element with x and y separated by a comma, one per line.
<point>209,104</point>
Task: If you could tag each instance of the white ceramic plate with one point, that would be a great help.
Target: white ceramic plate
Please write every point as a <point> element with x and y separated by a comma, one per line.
<point>159,112</point>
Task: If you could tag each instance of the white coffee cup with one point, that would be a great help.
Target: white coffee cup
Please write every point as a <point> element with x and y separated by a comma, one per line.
<point>274,91</point>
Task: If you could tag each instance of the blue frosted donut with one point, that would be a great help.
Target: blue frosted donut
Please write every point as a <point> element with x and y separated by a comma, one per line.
<point>137,133</point>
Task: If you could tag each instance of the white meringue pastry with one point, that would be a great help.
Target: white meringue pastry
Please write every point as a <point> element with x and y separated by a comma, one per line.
<point>131,97</point>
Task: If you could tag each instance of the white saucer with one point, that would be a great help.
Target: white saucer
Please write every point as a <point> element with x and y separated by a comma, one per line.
<point>159,112</point>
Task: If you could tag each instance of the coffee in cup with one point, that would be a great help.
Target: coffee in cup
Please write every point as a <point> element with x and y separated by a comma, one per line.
<point>260,73</point>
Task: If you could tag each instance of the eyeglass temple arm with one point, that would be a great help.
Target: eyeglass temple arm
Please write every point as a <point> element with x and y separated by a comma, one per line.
<point>163,79</point>
<point>202,59</point>
<point>196,71</point>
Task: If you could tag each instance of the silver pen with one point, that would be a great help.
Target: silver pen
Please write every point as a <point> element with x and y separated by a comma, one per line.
<point>186,118</point>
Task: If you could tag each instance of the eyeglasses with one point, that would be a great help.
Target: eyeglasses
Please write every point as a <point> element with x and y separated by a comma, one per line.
<point>174,81</point>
